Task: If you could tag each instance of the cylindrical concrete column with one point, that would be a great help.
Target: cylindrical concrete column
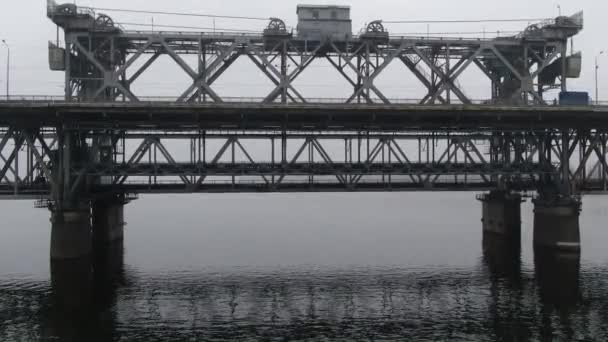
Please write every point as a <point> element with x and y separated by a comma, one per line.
<point>70,234</point>
<point>501,214</point>
<point>108,222</point>
<point>556,224</point>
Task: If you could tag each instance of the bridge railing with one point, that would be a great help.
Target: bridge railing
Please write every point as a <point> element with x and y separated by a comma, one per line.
<point>53,99</point>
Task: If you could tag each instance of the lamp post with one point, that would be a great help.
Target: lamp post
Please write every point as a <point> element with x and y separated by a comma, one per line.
<point>8,68</point>
<point>597,88</point>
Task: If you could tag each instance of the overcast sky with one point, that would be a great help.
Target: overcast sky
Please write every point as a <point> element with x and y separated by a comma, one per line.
<point>25,26</point>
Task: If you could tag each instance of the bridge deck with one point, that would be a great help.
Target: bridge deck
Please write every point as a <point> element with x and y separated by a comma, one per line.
<point>153,115</point>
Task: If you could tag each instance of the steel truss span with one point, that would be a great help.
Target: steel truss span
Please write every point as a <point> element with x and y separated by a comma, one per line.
<point>102,62</point>
<point>70,163</point>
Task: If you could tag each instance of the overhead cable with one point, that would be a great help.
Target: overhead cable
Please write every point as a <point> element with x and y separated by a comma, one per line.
<point>177,13</point>
<point>153,25</point>
<point>473,21</point>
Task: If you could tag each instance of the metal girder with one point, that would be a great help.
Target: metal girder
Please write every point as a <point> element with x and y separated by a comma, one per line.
<point>286,80</point>
<point>447,80</point>
<point>143,68</point>
<point>19,140</point>
<point>366,79</point>
<point>281,81</point>
<point>3,143</point>
<point>367,59</point>
<point>200,80</point>
<point>519,160</point>
<point>215,75</point>
<point>197,79</point>
<point>413,67</point>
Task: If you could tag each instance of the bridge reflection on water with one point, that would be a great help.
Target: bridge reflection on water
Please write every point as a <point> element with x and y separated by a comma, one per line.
<point>498,298</point>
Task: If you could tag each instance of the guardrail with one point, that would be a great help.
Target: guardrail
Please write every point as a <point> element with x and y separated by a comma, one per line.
<point>52,99</point>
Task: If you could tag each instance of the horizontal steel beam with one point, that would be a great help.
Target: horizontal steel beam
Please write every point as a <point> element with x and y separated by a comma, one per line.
<point>354,117</point>
<point>306,169</point>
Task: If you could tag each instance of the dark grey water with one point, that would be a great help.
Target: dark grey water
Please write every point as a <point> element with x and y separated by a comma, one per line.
<point>311,267</point>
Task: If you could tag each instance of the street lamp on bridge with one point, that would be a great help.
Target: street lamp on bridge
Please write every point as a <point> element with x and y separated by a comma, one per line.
<point>8,68</point>
<point>597,68</point>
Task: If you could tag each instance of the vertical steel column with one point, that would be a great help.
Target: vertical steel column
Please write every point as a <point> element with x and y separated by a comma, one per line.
<point>603,162</point>
<point>419,150</point>
<point>30,163</point>
<point>350,150</point>
<point>58,170</point>
<point>272,158</point>
<point>359,80</point>
<point>383,160</point>
<point>233,159</point>
<point>582,150</point>
<point>284,75</point>
<point>367,69</point>
<point>68,70</point>
<point>527,71</point>
<point>16,163</point>
<point>156,162</point>
<point>447,72</point>
<point>565,162</point>
<point>311,159</point>
<point>564,68</point>
<point>192,156</point>
<point>359,143</point>
<point>66,165</point>
<point>201,67</point>
<point>204,147</point>
<point>390,175</point>
<point>284,148</point>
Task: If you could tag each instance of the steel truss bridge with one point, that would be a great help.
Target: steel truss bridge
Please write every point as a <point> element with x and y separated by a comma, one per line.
<point>102,138</point>
<point>94,149</point>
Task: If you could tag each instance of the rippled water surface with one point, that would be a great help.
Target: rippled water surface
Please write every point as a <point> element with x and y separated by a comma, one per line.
<point>306,267</point>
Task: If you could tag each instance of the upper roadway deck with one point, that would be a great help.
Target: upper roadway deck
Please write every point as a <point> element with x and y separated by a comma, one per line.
<point>309,116</point>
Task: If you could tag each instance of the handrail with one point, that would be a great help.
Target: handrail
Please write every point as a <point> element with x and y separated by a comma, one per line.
<point>52,99</point>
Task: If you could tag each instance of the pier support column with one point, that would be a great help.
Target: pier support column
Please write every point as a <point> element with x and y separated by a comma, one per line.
<point>501,214</point>
<point>108,221</point>
<point>70,233</point>
<point>556,224</point>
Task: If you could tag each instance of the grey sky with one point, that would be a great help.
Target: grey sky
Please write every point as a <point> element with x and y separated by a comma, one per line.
<point>26,28</point>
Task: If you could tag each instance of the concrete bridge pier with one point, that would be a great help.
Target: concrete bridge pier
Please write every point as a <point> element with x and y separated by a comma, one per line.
<point>556,223</point>
<point>108,220</point>
<point>71,233</point>
<point>501,214</point>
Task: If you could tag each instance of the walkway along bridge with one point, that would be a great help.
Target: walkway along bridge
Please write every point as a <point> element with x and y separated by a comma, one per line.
<point>87,154</point>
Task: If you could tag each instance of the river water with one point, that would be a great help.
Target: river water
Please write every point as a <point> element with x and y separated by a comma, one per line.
<point>304,267</point>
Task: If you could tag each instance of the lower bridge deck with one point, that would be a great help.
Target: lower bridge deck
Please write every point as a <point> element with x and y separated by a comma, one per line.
<point>88,149</point>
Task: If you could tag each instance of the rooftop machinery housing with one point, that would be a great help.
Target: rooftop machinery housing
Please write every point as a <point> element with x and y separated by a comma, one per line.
<point>317,22</point>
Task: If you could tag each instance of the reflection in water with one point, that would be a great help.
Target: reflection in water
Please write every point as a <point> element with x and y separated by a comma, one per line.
<point>108,274</point>
<point>501,299</point>
<point>557,274</point>
<point>83,296</point>
<point>502,258</point>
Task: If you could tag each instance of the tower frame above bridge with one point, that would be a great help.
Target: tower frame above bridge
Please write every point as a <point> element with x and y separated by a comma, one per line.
<point>100,57</point>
